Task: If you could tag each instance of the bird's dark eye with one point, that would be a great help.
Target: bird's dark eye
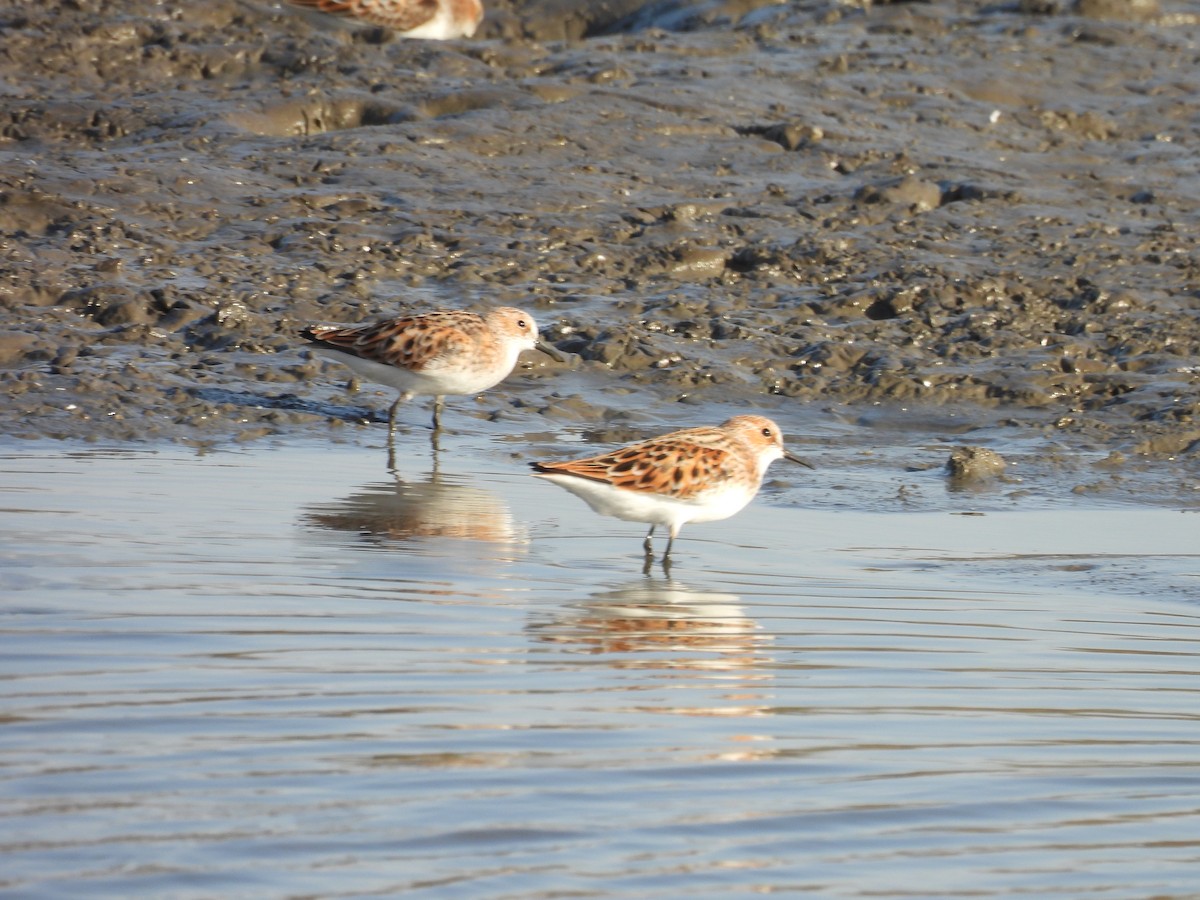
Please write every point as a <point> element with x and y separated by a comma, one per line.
<point>766,432</point>
<point>521,323</point>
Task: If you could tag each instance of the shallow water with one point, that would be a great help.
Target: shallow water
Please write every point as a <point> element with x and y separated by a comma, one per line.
<point>281,672</point>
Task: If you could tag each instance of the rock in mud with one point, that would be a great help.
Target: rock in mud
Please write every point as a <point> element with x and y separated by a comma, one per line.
<point>974,464</point>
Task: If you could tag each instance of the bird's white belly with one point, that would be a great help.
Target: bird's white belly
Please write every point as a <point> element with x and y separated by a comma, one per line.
<point>445,380</point>
<point>653,509</point>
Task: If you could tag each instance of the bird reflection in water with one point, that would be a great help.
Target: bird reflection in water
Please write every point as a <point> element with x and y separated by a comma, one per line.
<point>662,615</point>
<point>437,506</point>
<point>700,652</point>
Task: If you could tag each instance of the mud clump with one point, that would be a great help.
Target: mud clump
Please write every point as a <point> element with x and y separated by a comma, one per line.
<point>742,204</point>
<point>974,464</point>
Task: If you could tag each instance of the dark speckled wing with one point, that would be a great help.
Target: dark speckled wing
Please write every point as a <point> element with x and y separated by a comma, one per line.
<point>400,16</point>
<point>681,465</point>
<point>414,343</point>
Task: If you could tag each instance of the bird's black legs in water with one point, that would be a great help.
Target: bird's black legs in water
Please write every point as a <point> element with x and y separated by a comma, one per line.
<point>648,543</point>
<point>391,438</point>
<point>666,559</point>
<point>648,546</point>
<point>439,404</point>
<point>392,418</point>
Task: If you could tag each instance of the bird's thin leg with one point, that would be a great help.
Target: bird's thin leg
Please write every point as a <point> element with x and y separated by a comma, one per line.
<point>392,416</point>
<point>439,404</point>
<point>648,544</point>
<point>391,437</point>
<point>670,543</point>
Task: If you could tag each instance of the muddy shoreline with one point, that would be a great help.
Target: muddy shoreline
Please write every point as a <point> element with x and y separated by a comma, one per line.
<point>798,207</point>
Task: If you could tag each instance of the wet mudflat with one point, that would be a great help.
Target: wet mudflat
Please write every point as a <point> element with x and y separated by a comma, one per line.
<point>286,672</point>
<point>946,204</point>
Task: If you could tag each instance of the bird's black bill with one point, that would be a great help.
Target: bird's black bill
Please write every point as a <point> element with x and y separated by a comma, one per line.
<point>550,350</point>
<point>792,457</point>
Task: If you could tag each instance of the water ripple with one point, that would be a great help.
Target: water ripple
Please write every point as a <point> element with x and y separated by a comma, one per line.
<point>418,686</point>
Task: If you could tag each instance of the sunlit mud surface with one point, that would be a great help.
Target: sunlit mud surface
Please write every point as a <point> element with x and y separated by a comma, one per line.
<point>973,209</point>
